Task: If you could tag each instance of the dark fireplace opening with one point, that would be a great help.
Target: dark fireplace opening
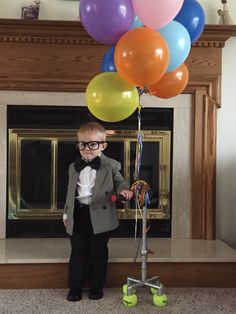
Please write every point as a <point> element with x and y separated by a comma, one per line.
<point>41,147</point>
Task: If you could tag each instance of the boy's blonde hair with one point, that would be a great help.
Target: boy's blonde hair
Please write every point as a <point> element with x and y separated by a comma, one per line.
<point>93,127</point>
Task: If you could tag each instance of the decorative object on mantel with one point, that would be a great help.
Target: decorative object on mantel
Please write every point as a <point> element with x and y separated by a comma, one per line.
<point>225,18</point>
<point>31,11</point>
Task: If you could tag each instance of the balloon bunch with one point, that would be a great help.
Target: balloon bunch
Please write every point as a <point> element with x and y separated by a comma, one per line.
<point>151,40</point>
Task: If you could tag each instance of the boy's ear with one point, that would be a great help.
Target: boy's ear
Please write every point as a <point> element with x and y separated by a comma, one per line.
<point>104,146</point>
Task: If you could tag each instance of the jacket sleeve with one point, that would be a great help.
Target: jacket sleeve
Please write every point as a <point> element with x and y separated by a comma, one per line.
<point>65,206</point>
<point>119,181</point>
<point>66,202</point>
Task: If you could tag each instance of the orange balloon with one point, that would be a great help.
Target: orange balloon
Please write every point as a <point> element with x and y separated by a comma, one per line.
<point>141,56</point>
<point>171,84</point>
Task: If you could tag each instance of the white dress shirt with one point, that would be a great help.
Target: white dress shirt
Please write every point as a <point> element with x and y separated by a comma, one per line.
<point>85,185</point>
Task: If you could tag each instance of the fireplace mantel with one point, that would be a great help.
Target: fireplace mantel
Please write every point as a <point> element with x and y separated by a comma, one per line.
<point>62,57</point>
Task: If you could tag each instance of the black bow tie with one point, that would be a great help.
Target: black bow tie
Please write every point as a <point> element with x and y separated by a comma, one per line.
<point>80,164</point>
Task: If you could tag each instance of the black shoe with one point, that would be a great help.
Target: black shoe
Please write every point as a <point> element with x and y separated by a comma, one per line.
<point>75,294</point>
<point>95,293</point>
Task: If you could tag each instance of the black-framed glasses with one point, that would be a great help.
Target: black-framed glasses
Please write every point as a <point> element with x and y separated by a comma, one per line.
<point>93,145</point>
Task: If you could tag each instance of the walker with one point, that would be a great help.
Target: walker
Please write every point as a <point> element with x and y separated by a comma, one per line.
<point>129,297</point>
<point>140,189</point>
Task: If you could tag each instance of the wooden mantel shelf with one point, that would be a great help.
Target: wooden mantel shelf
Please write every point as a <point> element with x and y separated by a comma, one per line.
<point>213,35</point>
<point>216,35</point>
<point>60,56</point>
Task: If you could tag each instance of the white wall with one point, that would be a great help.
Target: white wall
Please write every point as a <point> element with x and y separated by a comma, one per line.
<point>49,9</point>
<point>68,9</point>
<point>226,149</point>
<point>226,135</point>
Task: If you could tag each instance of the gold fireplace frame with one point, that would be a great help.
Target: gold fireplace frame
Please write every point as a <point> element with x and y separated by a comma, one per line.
<point>15,136</point>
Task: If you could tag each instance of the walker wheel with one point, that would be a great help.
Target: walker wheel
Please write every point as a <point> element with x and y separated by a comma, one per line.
<point>159,300</point>
<point>125,289</point>
<point>130,300</point>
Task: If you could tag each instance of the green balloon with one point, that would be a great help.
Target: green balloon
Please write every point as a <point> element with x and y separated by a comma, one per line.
<point>110,98</point>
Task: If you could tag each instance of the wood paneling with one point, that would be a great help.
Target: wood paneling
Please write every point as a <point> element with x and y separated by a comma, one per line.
<point>204,167</point>
<point>61,56</point>
<point>42,276</point>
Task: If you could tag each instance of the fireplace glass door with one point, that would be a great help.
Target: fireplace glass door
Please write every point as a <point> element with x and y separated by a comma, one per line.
<point>38,171</point>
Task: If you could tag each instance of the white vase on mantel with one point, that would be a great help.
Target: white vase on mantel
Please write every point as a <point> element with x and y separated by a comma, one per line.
<point>225,18</point>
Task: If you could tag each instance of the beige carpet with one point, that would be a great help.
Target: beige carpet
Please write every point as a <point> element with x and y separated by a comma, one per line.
<point>180,301</point>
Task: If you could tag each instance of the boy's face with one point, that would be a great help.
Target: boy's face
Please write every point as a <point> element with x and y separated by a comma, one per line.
<point>90,145</point>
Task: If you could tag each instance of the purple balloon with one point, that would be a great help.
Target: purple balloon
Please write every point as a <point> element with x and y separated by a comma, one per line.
<point>106,20</point>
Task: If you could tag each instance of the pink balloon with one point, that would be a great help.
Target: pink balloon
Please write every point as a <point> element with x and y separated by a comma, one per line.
<point>157,13</point>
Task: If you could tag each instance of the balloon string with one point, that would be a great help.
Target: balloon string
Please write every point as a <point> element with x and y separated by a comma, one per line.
<point>140,188</point>
<point>137,165</point>
<point>139,147</point>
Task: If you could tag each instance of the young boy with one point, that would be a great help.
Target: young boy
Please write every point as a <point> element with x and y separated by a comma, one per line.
<point>89,214</point>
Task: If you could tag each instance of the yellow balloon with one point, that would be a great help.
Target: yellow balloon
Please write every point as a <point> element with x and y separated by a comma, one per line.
<point>110,98</point>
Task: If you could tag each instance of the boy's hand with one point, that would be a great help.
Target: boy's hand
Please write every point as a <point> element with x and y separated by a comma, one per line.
<point>65,220</point>
<point>127,194</point>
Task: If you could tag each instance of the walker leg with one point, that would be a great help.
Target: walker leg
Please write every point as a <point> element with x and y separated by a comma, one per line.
<point>129,289</point>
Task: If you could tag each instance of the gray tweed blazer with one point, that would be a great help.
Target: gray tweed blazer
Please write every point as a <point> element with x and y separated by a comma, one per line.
<point>102,210</point>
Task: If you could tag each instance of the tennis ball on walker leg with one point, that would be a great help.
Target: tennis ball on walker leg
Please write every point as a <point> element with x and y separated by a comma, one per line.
<point>125,289</point>
<point>159,300</point>
<point>130,300</point>
<point>153,290</point>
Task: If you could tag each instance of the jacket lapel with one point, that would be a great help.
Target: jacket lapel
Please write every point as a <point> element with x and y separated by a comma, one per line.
<point>100,177</point>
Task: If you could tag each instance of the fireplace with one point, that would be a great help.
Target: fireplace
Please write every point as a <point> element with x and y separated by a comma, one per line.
<point>48,62</point>
<point>41,147</point>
